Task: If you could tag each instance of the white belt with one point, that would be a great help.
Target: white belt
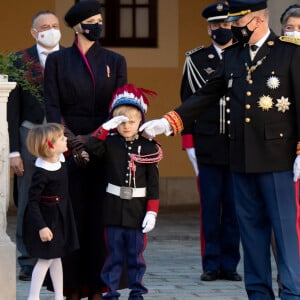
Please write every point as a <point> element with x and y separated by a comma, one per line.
<point>116,190</point>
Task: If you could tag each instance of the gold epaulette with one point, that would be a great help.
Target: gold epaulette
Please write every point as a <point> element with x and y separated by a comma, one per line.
<point>190,52</point>
<point>290,39</point>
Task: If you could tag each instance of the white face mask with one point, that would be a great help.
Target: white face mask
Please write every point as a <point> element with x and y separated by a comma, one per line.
<point>49,38</point>
<point>295,34</point>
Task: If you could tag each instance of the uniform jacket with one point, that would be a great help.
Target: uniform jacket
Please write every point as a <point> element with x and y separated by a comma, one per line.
<point>22,105</point>
<point>78,88</point>
<point>265,111</point>
<point>115,152</point>
<point>211,146</point>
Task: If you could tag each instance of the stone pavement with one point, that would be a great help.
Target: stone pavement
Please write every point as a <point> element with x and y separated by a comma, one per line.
<point>174,264</point>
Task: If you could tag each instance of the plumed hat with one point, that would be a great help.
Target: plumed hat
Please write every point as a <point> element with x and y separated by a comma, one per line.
<point>216,12</point>
<point>82,10</point>
<point>240,8</point>
<point>129,94</point>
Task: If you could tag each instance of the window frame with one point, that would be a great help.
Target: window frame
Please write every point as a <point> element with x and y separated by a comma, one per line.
<point>111,22</point>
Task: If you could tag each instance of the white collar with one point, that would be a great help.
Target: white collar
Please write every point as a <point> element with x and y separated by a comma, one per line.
<point>49,166</point>
<point>218,50</point>
<point>262,40</point>
<point>41,49</point>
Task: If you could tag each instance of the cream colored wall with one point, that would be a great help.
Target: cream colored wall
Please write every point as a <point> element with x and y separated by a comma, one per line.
<point>15,22</point>
<point>181,28</point>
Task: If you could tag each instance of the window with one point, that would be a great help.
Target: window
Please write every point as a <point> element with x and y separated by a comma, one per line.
<point>129,23</point>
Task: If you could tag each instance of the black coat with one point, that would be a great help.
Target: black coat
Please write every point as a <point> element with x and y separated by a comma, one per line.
<point>211,146</point>
<point>49,206</point>
<point>79,95</point>
<point>115,151</point>
<point>22,105</point>
<point>260,140</point>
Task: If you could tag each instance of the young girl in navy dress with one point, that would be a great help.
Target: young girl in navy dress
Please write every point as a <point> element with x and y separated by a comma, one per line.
<point>132,193</point>
<point>49,227</point>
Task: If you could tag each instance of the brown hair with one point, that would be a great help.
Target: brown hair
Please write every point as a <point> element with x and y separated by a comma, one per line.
<point>41,138</point>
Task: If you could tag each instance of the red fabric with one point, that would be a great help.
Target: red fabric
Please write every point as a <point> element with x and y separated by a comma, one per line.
<point>187,141</point>
<point>297,213</point>
<point>153,205</point>
<point>100,133</point>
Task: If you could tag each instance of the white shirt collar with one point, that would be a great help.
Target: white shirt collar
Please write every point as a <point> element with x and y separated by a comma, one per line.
<point>218,50</point>
<point>263,39</point>
<point>49,166</point>
<point>43,57</point>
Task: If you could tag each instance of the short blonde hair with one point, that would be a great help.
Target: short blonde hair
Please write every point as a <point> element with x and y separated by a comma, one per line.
<point>123,109</point>
<point>41,138</point>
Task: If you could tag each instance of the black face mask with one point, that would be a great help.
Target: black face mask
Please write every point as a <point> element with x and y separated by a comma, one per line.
<point>94,31</point>
<point>221,36</point>
<point>242,34</point>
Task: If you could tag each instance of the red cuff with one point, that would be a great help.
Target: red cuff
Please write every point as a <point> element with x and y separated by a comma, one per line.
<point>100,133</point>
<point>187,141</point>
<point>153,205</point>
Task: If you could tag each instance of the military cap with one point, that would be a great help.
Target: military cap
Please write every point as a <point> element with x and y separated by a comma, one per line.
<point>216,12</point>
<point>240,8</point>
<point>82,10</point>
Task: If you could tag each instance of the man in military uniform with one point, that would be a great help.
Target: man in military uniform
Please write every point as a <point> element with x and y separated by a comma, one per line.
<point>206,144</point>
<point>263,88</point>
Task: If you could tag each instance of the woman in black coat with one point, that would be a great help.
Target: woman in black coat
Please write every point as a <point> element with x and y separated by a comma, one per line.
<point>79,84</point>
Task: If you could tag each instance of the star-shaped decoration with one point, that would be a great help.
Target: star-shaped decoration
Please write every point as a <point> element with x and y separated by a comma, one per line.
<point>273,82</point>
<point>265,102</point>
<point>283,104</point>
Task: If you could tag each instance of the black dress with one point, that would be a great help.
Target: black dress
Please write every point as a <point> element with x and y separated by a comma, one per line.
<point>49,206</point>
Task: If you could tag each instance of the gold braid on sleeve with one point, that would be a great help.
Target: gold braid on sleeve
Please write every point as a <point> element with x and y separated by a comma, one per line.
<point>298,148</point>
<point>175,121</point>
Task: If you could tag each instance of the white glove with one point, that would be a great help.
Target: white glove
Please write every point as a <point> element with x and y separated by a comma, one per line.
<point>192,156</point>
<point>155,127</point>
<point>114,122</point>
<point>297,168</point>
<point>149,221</point>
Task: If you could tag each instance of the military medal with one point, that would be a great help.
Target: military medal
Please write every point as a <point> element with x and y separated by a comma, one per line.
<point>265,102</point>
<point>209,70</point>
<point>283,104</point>
<point>273,82</point>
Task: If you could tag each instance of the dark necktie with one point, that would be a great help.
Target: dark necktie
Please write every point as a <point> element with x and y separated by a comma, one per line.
<point>253,47</point>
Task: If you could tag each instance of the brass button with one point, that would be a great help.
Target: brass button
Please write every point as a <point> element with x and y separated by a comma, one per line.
<point>228,110</point>
<point>248,93</point>
<point>227,98</point>
<point>247,106</point>
<point>247,120</point>
<point>281,134</point>
<point>250,81</point>
<point>228,122</point>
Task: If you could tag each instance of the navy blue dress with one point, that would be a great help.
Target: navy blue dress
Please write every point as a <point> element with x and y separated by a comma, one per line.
<point>49,206</point>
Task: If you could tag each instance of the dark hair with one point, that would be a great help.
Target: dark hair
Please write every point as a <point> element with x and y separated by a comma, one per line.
<point>40,13</point>
<point>291,11</point>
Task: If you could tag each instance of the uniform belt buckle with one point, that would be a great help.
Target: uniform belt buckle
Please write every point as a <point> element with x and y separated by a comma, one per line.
<point>126,192</point>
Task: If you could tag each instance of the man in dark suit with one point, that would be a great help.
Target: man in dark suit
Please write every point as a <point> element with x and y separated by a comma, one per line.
<point>260,78</point>
<point>206,143</point>
<point>24,110</point>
